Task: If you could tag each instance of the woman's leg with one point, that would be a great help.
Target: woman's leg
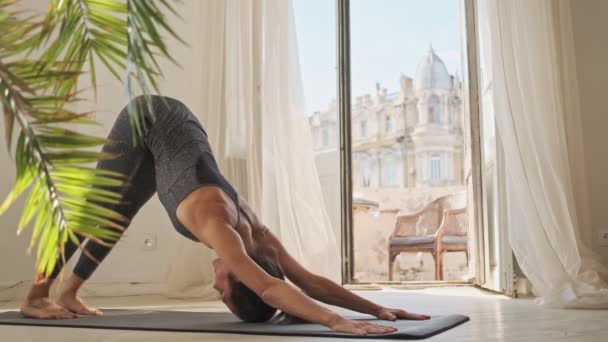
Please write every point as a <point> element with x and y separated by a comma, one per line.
<point>137,164</point>
<point>141,187</point>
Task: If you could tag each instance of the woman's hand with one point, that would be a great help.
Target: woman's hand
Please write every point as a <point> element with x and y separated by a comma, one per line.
<point>395,314</point>
<point>344,325</point>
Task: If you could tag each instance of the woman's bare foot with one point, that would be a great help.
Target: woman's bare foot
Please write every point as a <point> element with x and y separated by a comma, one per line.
<point>37,303</point>
<point>73,303</point>
<point>70,300</point>
<point>44,308</point>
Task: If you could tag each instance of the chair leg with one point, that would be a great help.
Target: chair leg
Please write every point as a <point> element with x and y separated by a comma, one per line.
<point>391,261</point>
<point>438,257</point>
<point>435,264</point>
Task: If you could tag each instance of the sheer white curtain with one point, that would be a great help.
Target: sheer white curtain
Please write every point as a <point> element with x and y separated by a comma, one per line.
<point>253,111</point>
<point>538,122</point>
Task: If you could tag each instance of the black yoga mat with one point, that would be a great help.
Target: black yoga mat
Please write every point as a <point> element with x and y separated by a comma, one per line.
<point>210,322</point>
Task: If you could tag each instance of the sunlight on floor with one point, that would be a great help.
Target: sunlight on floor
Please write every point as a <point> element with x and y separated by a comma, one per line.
<point>461,291</point>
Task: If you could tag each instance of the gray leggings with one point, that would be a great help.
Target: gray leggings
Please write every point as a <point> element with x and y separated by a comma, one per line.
<point>174,160</point>
<point>135,162</point>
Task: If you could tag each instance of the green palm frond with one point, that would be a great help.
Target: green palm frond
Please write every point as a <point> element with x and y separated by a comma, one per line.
<point>53,163</point>
<point>14,32</point>
<point>144,43</point>
<point>122,34</point>
<point>68,196</point>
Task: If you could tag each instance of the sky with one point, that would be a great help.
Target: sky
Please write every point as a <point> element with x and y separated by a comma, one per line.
<point>388,38</point>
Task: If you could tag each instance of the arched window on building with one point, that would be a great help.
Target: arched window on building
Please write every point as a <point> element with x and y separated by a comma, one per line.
<point>434,106</point>
<point>388,124</point>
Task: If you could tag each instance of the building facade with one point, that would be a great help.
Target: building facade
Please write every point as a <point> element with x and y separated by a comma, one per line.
<point>404,139</point>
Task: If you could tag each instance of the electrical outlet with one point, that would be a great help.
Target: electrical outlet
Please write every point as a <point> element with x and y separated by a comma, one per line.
<point>603,238</point>
<point>148,242</point>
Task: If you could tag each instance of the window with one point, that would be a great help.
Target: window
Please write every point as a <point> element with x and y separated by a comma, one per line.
<point>325,137</point>
<point>434,109</point>
<point>389,124</point>
<point>391,174</point>
<point>435,169</point>
<point>315,23</point>
<point>363,128</point>
<point>366,177</point>
<point>396,84</point>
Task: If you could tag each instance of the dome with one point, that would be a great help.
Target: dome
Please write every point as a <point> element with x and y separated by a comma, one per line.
<point>431,73</point>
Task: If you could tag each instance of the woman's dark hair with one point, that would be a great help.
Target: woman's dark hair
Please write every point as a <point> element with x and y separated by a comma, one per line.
<point>249,306</point>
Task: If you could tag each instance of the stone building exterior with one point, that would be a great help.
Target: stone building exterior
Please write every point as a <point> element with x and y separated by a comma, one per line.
<point>403,139</point>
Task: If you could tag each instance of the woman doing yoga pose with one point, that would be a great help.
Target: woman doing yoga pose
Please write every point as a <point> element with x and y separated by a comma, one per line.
<point>176,162</point>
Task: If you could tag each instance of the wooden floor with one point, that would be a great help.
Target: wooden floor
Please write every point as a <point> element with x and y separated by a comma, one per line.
<point>493,318</point>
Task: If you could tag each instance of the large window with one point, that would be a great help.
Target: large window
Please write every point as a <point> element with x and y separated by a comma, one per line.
<point>405,62</point>
<point>405,65</point>
<point>315,22</point>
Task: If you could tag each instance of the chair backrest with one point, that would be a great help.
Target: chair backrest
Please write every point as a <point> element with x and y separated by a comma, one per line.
<point>458,224</point>
<point>430,216</point>
<point>429,219</point>
<point>457,200</point>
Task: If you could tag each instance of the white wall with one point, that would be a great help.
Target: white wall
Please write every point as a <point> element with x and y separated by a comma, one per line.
<point>590,27</point>
<point>128,263</point>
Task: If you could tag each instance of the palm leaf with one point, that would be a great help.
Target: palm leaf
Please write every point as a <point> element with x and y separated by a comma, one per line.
<point>123,34</point>
<point>67,196</point>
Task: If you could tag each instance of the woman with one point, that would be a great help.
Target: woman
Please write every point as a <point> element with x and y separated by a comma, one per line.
<point>176,161</point>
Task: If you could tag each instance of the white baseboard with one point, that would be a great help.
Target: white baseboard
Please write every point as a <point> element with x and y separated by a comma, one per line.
<point>15,291</point>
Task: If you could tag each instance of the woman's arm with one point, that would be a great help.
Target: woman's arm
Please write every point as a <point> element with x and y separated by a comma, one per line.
<point>229,247</point>
<point>326,291</point>
<point>275,292</point>
<point>209,222</point>
<point>321,288</point>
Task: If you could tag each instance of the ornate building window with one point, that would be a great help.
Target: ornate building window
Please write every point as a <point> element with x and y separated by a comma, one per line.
<point>435,169</point>
<point>434,109</point>
<point>363,128</point>
<point>388,124</point>
<point>366,177</point>
<point>391,174</point>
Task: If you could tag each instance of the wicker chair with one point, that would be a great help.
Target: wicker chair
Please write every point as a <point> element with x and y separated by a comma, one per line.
<point>441,226</point>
